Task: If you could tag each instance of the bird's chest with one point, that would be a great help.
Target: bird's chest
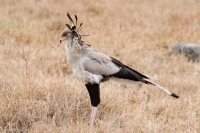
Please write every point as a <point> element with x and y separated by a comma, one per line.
<point>84,76</point>
<point>72,56</point>
<point>79,71</point>
<point>77,60</point>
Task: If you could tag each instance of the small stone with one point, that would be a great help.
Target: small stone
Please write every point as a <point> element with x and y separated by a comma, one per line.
<point>190,50</point>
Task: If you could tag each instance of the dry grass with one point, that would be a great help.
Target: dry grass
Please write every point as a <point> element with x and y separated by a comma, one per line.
<point>38,92</point>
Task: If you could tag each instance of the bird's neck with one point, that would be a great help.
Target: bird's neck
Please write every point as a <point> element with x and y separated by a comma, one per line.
<point>73,51</point>
<point>73,45</point>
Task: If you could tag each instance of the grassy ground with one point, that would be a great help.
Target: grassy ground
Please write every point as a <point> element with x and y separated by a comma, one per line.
<point>38,92</point>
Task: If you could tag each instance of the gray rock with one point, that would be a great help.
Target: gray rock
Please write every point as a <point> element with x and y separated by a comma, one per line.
<point>191,51</point>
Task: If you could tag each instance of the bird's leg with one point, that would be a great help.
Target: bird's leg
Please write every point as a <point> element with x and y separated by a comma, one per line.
<point>94,93</point>
<point>93,115</point>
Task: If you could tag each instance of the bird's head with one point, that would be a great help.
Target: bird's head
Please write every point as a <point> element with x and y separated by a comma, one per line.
<point>70,32</point>
<point>65,34</point>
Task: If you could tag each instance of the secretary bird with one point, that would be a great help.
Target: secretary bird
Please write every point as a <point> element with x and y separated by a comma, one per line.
<point>92,67</point>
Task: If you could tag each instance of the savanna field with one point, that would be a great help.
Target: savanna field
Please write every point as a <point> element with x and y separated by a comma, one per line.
<point>39,94</point>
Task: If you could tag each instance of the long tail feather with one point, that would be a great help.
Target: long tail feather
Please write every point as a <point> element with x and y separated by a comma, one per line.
<point>162,88</point>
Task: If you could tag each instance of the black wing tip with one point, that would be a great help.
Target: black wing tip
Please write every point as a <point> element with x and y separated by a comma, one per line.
<point>174,95</point>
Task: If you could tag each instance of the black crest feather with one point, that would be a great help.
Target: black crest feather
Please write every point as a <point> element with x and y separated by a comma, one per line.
<point>80,27</point>
<point>74,30</point>
<point>68,15</point>
<point>68,26</point>
<point>76,19</point>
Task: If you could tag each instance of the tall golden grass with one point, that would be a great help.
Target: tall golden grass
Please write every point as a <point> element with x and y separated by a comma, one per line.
<point>38,92</point>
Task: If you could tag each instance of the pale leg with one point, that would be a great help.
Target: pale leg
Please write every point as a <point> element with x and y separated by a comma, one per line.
<point>93,115</point>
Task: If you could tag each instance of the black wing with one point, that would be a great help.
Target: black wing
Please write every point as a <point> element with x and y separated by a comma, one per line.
<point>126,72</point>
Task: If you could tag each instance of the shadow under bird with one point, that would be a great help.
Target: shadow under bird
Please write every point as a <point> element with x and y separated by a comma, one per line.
<point>92,67</point>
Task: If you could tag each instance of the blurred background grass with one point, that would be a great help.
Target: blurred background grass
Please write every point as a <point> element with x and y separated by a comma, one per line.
<point>38,92</point>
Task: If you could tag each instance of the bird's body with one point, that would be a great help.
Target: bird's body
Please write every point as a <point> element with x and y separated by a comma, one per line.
<point>92,67</point>
<point>88,64</point>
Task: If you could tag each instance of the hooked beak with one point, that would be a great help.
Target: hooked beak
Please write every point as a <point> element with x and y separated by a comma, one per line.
<point>60,40</point>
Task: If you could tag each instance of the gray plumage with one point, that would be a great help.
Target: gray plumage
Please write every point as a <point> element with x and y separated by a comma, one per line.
<point>88,64</point>
<point>92,67</point>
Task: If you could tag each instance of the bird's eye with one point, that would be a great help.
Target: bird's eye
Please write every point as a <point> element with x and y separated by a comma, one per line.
<point>64,34</point>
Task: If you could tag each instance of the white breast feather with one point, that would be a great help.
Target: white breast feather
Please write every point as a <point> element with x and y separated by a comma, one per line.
<point>85,76</point>
<point>76,60</point>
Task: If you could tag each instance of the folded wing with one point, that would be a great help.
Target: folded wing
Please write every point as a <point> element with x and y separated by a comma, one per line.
<point>104,65</point>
